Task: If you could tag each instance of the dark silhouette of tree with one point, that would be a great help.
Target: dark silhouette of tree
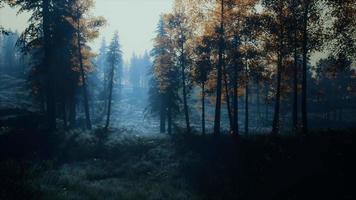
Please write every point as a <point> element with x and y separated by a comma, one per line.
<point>59,53</point>
<point>114,58</point>
<point>312,37</point>
<point>181,32</point>
<point>201,71</point>
<point>165,76</point>
<point>221,33</point>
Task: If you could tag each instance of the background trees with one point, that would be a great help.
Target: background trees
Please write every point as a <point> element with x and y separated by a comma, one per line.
<point>238,49</point>
<point>244,44</point>
<point>56,38</point>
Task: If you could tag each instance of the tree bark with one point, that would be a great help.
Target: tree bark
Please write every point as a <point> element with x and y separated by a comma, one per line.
<point>276,118</point>
<point>266,102</point>
<point>246,101</point>
<point>227,97</point>
<point>235,93</point>
<point>304,70</point>
<point>203,108</point>
<point>258,100</point>
<point>295,91</point>
<point>82,74</point>
<point>72,111</point>
<point>169,113</point>
<point>111,86</point>
<point>186,110</point>
<point>162,116</point>
<point>219,75</point>
<point>50,89</point>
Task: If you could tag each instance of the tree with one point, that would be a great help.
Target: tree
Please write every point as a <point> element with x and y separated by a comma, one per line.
<point>311,40</point>
<point>86,29</point>
<point>138,71</point>
<point>53,37</point>
<point>165,83</point>
<point>201,71</point>
<point>294,32</point>
<point>242,41</point>
<point>341,38</point>
<point>114,57</point>
<point>2,30</point>
<point>219,71</point>
<point>278,15</point>
<point>181,31</point>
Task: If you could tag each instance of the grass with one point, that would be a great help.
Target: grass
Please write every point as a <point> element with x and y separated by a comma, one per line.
<point>121,165</point>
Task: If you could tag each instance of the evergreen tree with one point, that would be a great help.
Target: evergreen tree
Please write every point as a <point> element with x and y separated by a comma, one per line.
<point>164,75</point>
<point>114,59</point>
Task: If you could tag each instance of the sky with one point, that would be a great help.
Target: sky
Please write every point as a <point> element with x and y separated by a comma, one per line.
<point>135,20</point>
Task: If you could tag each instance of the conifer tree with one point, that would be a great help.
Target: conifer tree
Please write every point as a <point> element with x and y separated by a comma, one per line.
<point>114,58</point>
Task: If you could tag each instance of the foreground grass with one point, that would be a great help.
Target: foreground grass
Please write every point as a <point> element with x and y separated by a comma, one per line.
<point>122,165</point>
<point>114,166</point>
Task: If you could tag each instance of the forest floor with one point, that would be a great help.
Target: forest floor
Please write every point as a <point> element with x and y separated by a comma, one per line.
<point>121,165</point>
<point>90,165</point>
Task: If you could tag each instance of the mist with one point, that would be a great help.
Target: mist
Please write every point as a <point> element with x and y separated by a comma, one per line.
<point>178,99</point>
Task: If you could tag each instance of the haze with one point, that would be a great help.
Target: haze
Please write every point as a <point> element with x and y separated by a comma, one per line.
<point>135,20</point>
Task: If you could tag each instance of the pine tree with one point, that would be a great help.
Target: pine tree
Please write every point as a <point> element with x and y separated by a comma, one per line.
<point>114,58</point>
<point>165,77</point>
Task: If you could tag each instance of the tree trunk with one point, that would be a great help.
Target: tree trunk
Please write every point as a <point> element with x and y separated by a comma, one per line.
<point>72,111</point>
<point>162,115</point>
<point>219,75</point>
<point>258,101</point>
<point>246,101</point>
<point>227,96</point>
<point>266,102</point>
<point>186,110</point>
<point>276,118</point>
<point>111,86</point>
<point>50,90</point>
<point>295,91</point>
<point>82,74</point>
<point>203,108</point>
<point>235,103</point>
<point>169,113</point>
<point>304,71</point>
<point>64,110</point>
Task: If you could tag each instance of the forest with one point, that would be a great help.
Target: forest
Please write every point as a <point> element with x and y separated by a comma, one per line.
<point>235,99</point>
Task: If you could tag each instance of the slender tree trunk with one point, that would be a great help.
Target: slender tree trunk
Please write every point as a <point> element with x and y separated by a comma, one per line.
<point>64,110</point>
<point>246,101</point>
<point>295,91</point>
<point>169,113</point>
<point>227,96</point>
<point>203,107</point>
<point>111,86</point>
<point>235,102</point>
<point>186,110</point>
<point>258,100</point>
<point>266,102</point>
<point>72,111</point>
<point>219,75</point>
<point>82,74</point>
<point>276,118</point>
<point>304,71</point>
<point>163,114</point>
<point>50,89</point>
